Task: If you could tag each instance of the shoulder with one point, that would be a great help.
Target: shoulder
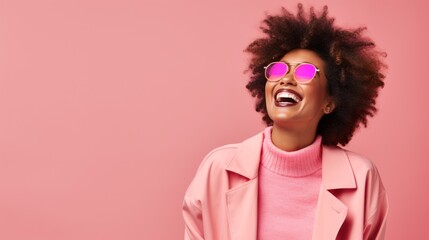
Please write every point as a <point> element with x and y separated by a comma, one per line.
<point>239,157</point>
<point>357,161</point>
<point>363,165</point>
<point>211,172</point>
<point>218,157</point>
<point>341,164</point>
<point>364,170</point>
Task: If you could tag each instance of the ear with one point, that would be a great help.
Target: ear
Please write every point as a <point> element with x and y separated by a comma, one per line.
<point>329,107</point>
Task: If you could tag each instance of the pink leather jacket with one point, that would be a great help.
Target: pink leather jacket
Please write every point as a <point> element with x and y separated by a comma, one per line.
<point>221,201</point>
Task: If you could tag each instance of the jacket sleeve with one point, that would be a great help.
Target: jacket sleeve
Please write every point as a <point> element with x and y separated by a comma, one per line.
<point>192,209</point>
<point>377,207</point>
<point>193,218</point>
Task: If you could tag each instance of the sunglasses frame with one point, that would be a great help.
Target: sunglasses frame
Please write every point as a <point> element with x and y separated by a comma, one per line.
<point>289,65</point>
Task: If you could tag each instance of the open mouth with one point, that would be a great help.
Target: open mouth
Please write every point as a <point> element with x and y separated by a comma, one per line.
<point>287,97</point>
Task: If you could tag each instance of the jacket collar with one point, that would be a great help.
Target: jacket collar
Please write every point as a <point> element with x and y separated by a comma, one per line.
<point>246,160</point>
<point>337,172</point>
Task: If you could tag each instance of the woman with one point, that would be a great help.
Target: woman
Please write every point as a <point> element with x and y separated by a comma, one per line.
<point>315,83</point>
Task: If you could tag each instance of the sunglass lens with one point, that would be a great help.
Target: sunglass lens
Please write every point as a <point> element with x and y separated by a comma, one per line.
<point>305,72</point>
<point>275,71</point>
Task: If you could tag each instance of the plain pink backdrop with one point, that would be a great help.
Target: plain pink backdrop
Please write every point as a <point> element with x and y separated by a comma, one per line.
<point>108,107</point>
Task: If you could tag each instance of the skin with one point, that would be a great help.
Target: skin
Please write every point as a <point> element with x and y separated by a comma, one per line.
<point>295,126</point>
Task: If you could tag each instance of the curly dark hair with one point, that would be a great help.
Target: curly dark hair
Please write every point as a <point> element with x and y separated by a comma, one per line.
<point>353,67</point>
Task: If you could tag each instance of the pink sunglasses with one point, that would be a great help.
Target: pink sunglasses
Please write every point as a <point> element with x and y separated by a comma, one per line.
<point>303,72</point>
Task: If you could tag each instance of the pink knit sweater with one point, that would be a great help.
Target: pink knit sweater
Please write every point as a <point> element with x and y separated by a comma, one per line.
<point>289,184</point>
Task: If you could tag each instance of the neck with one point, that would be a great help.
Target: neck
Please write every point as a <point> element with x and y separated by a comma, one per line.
<point>292,139</point>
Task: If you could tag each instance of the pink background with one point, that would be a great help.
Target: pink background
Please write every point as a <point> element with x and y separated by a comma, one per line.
<point>108,107</point>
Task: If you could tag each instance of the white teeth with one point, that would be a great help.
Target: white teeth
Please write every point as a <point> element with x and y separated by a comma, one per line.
<point>281,95</point>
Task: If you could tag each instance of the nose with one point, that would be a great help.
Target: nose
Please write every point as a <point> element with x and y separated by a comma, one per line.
<point>288,79</point>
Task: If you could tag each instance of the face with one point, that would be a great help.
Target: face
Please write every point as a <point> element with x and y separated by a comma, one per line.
<point>293,104</point>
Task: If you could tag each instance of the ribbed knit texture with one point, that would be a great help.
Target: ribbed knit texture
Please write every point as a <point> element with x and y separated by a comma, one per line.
<point>289,185</point>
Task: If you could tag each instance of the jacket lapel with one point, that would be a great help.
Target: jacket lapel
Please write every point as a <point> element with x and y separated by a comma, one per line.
<point>242,198</point>
<point>330,216</point>
<point>243,211</point>
<point>331,212</point>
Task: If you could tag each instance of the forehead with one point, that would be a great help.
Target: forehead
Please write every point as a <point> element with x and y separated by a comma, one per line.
<point>303,55</point>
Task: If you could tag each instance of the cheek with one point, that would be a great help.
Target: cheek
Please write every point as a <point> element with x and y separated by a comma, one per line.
<point>268,88</point>
<point>318,92</point>
<point>268,91</point>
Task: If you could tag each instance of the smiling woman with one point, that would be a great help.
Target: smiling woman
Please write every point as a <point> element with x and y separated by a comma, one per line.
<point>315,83</point>
<point>308,102</point>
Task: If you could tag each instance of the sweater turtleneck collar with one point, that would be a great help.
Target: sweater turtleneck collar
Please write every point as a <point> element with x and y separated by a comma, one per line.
<point>300,163</point>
